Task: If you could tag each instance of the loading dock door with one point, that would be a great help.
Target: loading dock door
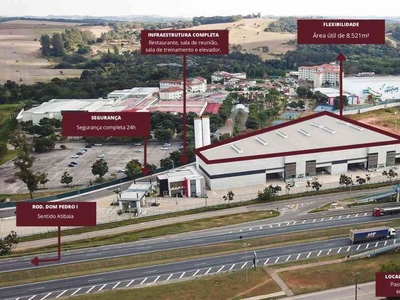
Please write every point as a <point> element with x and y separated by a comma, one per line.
<point>311,168</point>
<point>372,160</point>
<point>290,170</point>
<point>390,158</point>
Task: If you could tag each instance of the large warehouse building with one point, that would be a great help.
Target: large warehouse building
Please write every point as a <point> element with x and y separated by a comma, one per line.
<point>379,87</point>
<point>296,149</point>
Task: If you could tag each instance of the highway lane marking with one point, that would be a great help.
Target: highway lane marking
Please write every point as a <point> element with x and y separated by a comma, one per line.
<point>358,247</point>
<point>115,286</point>
<point>209,271</point>
<point>61,294</point>
<point>195,273</point>
<point>232,267</point>
<point>303,222</point>
<point>220,269</point>
<point>261,227</point>
<point>156,279</point>
<point>340,217</point>
<point>367,246</point>
<point>144,280</point>
<point>319,253</point>
<point>277,259</point>
<point>309,254</point>
<point>385,243</point>
<point>294,223</point>
<point>266,262</point>
<point>251,229</point>
<point>244,265</point>
<point>376,245</point>
<point>330,218</point>
<point>279,225</point>
<point>75,292</point>
<point>102,287</point>
<point>365,214</point>
<point>348,249</point>
<point>288,258</point>
<point>198,265</point>
<point>183,274</point>
<point>47,296</point>
<point>149,272</point>
<point>348,216</point>
<point>130,283</point>
<point>329,251</point>
<point>339,250</point>
<point>91,289</point>
<point>298,256</point>
<point>322,219</point>
<point>356,215</point>
<point>314,220</point>
<point>32,297</point>
<point>169,277</point>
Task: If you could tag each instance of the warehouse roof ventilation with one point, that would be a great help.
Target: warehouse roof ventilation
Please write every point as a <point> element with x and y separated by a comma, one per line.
<point>261,141</point>
<point>281,134</point>
<point>304,132</point>
<point>351,125</point>
<point>237,149</point>
<point>328,129</point>
<point>316,125</point>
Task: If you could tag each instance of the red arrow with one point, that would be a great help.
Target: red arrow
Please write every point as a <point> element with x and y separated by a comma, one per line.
<point>341,58</point>
<point>37,260</point>
<point>184,157</point>
<point>145,169</point>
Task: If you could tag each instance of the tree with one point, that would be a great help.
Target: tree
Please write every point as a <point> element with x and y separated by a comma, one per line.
<point>3,149</point>
<point>45,42</point>
<point>229,196</point>
<point>163,134</point>
<point>269,193</point>
<point>360,180</point>
<point>152,168</point>
<point>345,180</point>
<point>390,174</point>
<point>118,192</point>
<point>391,267</point>
<point>100,167</point>
<point>42,178</point>
<point>43,145</point>
<point>7,243</point>
<point>166,162</point>
<point>58,44</point>
<point>43,130</point>
<point>336,102</point>
<point>66,178</point>
<point>30,179</point>
<point>316,185</point>
<point>133,168</point>
<point>302,91</point>
<point>289,185</point>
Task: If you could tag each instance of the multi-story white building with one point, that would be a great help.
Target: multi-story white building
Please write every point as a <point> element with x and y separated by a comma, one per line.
<point>193,86</point>
<point>225,76</point>
<point>172,93</point>
<point>319,75</point>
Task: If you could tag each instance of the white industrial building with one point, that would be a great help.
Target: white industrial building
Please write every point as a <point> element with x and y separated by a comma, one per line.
<point>296,149</point>
<point>377,87</point>
<point>133,199</point>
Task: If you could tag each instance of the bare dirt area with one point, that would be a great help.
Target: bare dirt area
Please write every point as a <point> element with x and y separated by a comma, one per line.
<point>20,59</point>
<point>250,34</point>
<point>385,119</point>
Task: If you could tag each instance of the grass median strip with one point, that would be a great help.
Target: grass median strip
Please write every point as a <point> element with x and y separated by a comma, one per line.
<point>128,262</point>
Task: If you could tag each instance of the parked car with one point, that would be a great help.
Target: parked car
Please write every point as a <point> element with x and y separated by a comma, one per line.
<point>138,151</point>
<point>73,163</point>
<point>181,148</point>
<point>137,144</point>
<point>121,171</point>
<point>98,145</point>
<point>83,150</point>
<point>75,156</point>
<point>79,153</point>
<point>88,146</point>
<point>101,156</point>
<point>167,145</point>
<point>164,148</point>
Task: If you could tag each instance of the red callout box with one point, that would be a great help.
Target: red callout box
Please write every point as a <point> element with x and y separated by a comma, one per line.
<point>56,214</point>
<point>106,124</point>
<point>339,31</point>
<point>179,42</point>
<point>387,284</point>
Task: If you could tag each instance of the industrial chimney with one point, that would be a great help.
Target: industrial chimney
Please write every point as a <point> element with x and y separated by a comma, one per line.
<point>198,133</point>
<point>206,131</point>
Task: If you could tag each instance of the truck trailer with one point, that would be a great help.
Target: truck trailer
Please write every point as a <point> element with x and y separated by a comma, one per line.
<point>377,212</point>
<point>371,234</point>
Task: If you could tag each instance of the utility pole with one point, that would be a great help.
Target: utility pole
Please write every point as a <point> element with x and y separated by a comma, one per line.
<point>247,276</point>
<point>356,287</point>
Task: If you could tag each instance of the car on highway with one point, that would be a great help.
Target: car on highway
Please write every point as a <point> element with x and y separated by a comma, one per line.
<point>101,156</point>
<point>75,156</point>
<point>138,151</point>
<point>164,148</point>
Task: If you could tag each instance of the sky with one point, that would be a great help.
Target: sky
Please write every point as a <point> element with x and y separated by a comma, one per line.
<point>190,8</point>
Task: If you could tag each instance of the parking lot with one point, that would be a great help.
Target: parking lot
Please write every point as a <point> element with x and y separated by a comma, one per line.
<point>56,162</point>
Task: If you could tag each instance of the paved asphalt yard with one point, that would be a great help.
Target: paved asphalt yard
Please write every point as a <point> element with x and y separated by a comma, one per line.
<point>186,269</point>
<point>55,163</point>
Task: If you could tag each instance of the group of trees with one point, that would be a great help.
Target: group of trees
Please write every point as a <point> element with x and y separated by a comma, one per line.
<point>7,243</point>
<point>283,24</point>
<point>70,41</point>
<point>43,133</point>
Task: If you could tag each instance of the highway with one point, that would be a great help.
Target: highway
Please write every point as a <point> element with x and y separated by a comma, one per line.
<point>186,269</point>
<point>251,230</point>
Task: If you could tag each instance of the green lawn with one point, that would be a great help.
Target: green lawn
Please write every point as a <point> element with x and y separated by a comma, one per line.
<point>10,155</point>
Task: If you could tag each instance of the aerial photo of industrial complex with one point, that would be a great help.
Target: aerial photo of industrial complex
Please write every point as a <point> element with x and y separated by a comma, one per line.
<point>199,151</point>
